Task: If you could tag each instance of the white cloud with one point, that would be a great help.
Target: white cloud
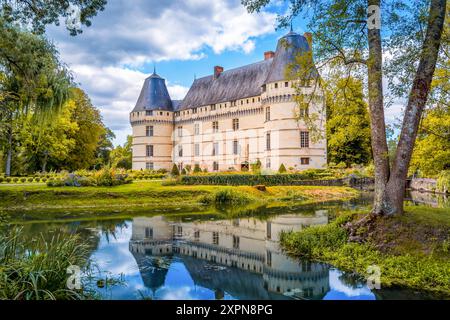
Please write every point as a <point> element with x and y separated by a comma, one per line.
<point>107,57</point>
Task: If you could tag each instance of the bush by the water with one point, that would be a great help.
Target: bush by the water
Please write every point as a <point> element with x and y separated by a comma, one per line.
<point>443,182</point>
<point>39,270</point>
<point>226,197</point>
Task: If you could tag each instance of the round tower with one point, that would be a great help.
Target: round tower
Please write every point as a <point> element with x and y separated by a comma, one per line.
<point>287,139</point>
<point>152,123</point>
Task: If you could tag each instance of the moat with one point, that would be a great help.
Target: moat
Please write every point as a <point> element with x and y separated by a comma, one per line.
<point>202,257</point>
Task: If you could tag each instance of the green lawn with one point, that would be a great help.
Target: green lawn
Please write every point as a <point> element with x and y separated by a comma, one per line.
<point>150,195</point>
<point>412,250</point>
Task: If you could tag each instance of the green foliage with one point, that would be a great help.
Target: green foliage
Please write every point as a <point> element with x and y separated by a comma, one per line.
<point>443,182</point>
<point>183,172</point>
<point>175,171</point>
<point>197,168</point>
<point>226,197</point>
<point>39,270</point>
<point>348,126</point>
<point>282,169</point>
<point>105,177</point>
<point>252,179</point>
<point>39,13</point>
<point>121,157</point>
<point>432,149</point>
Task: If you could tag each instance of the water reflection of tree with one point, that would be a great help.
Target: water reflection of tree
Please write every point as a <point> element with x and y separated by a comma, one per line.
<point>351,280</point>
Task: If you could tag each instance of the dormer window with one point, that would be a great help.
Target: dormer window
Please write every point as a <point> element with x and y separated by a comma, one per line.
<point>276,85</point>
<point>149,112</point>
<point>263,87</point>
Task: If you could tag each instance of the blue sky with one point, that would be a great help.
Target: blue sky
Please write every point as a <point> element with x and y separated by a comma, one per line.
<point>183,38</point>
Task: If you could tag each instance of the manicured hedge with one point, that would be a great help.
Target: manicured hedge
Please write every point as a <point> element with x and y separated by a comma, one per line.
<point>252,180</point>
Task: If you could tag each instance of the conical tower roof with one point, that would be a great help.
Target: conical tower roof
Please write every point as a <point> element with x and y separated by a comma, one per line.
<point>154,95</point>
<point>288,47</point>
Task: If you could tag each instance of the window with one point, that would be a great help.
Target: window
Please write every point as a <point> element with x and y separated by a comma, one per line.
<point>215,166</point>
<point>161,113</point>
<point>197,235</point>
<point>263,88</point>
<point>149,112</point>
<point>268,114</point>
<point>269,230</point>
<point>236,241</point>
<point>276,85</point>
<point>149,166</point>
<point>215,126</point>
<point>215,150</point>
<point>235,124</point>
<point>149,131</point>
<point>180,131</point>
<point>148,233</point>
<point>286,84</point>
<point>235,147</point>
<point>268,141</point>
<point>269,258</point>
<point>213,107</point>
<point>180,150</point>
<point>268,164</point>
<point>197,129</point>
<point>304,161</point>
<point>304,139</point>
<point>215,238</point>
<point>149,150</point>
<point>194,110</point>
<point>197,149</point>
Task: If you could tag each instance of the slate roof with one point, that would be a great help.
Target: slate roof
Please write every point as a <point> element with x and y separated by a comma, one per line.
<point>233,84</point>
<point>154,95</point>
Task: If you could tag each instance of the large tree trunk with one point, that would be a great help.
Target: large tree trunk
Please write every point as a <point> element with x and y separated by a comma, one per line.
<point>376,106</point>
<point>395,189</point>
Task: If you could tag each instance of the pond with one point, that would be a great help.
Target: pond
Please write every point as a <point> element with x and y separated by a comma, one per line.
<point>206,257</point>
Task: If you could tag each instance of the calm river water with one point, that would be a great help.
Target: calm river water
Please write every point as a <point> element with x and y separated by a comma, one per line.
<point>202,257</point>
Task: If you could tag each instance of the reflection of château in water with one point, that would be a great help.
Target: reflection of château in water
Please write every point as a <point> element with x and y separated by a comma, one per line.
<point>256,268</point>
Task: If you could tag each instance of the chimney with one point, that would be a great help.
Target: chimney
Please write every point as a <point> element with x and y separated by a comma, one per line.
<point>269,55</point>
<point>217,71</point>
<point>309,38</point>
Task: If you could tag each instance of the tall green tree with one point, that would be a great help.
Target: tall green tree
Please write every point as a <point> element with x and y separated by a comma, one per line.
<point>348,125</point>
<point>33,82</point>
<point>121,156</point>
<point>351,34</point>
<point>40,13</point>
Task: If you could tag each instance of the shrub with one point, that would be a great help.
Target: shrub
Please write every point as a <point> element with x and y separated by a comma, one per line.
<point>197,169</point>
<point>2,179</point>
<point>44,179</point>
<point>341,165</point>
<point>282,169</point>
<point>8,179</point>
<point>188,168</point>
<point>37,179</point>
<point>169,182</point>
<point>226,197</point>
<point>30,179</point>
<point>15,179</point>
<point>183,172</point>
<point>23,180</point>
<point>175,172</point>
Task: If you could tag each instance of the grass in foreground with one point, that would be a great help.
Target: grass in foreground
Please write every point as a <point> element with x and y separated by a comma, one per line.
<point>39,272</point>
<point>412,250</point>
<point>156,196</point>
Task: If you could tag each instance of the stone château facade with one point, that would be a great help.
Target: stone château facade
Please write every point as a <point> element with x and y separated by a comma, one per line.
<point>230,119</point>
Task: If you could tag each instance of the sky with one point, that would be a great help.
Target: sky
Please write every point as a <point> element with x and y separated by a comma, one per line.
<point>181,38</point>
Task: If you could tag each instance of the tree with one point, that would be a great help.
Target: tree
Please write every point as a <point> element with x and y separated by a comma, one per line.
<point>40,13</point>
<point>282,169</point>
<point>348,125</point>
<point>104,148</point>
<point>121,157</point>
<point>90,131</point>
<point>348,34</point>
<point>432,150</point>
<point>33,82</point>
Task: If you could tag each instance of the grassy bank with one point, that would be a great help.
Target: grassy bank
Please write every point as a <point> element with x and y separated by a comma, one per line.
<point>412,250</point>
<point>153,195</point>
